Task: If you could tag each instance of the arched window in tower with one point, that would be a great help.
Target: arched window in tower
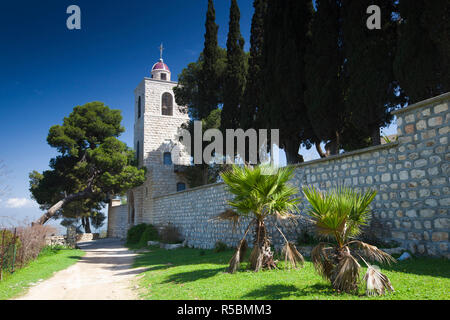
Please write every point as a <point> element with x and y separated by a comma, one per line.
<point>163,76</point>
<point>139,107</point>
<point>167,104</point>
<point>131,209</point>
<point>137,152</point>
<point>167,158</point>
<point>181,186</point>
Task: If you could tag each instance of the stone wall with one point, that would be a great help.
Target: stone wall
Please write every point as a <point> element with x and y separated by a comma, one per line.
<point>411,176</point>
<point>117,220</point>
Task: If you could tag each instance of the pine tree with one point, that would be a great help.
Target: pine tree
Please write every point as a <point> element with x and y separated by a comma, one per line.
<point>253,95</point>
<point>209,93</point>
<point>370,89</point>
<point>285,42</point>
<point>422,59</point>
<point>235,73</point>
<point>324,77</point>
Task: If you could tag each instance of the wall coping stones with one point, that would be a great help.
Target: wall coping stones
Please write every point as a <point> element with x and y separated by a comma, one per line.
<point>431,101</point>
<point>348,154</point>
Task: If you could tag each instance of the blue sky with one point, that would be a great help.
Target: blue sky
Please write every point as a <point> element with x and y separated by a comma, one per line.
<point>46,69</point>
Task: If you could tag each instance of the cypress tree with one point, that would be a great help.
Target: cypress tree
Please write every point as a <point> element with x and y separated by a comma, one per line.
<point>285,42</point>
<point>422,59</point>
<point>209,92</point>
<point>370,89</point>
<point>253,96</point>
<point>324,62</point>
<point>235,73</point>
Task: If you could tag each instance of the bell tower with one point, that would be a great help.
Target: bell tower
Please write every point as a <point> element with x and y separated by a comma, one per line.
<point>157,122</point>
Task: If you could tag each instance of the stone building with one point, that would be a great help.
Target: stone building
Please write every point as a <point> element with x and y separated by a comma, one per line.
<point>157,119</point>
<point>410,173</point>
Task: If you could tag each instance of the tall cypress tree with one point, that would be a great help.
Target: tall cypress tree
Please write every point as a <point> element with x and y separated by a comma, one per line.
<point>253,96</point>
<point>235,73</point>
<point>370,90</point>
<point>285,42</point>
<point>209,93</point>
<point>324,62</point>
<point>422,59</point>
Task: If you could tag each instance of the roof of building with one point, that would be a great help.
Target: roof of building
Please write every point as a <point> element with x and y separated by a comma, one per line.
<point>160,65</point>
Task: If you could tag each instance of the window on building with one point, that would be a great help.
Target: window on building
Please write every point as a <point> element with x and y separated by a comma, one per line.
<point>167,158</point>
<point>163,76</point>
<point>181,186</point>
<point>137,152</point>
<point>139,107</point>
<point>167,104</point>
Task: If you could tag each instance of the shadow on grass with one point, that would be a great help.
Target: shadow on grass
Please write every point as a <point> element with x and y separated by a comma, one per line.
<point>436,267</point>
<point>281,291</point>
<point>190,276</point>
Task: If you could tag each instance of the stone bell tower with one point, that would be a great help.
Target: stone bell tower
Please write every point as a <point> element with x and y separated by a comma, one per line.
<point>157,121</point>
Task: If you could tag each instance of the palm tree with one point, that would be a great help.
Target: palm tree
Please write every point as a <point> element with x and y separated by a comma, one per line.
<point>260,192</point>
<point>339,215</point>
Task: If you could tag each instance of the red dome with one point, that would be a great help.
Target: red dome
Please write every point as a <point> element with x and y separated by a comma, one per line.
<point>160,66</point>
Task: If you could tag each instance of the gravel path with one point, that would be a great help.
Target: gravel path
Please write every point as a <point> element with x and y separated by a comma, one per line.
<point>103,273</point>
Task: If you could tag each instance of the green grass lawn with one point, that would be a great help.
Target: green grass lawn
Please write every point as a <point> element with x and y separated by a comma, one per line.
<point>48,262</point>
<point>200,274</point>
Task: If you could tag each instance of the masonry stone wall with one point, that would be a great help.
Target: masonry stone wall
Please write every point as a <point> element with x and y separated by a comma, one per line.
<point>117,220</point>
<point>411,176</point>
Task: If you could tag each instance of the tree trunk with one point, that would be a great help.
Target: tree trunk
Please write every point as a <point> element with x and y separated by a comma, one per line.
<point>60,204</point>
<point>86,224</point>
<point>291,148</point>
<point>319,150</point>
<point>205,173</point>
<point>375,134</point>
<point>262,255</point>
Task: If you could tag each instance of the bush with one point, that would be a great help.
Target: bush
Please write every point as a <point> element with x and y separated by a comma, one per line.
<point>150,234</point>
<point>170,234</point>
<point>134,234</point>
<point>220,246</point>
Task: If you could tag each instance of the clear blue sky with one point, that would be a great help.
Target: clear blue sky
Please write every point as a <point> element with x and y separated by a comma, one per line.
<point>46,69</point>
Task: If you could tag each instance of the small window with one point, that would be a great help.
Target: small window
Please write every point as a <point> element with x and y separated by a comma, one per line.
<point>139,107</point>
<point>163,76</point>
<point>181,186</point>
<point>137,152</point>
<point>167,104</point>
<point>167,158</point>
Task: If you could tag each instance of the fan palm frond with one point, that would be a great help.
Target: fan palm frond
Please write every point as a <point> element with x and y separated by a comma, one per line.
<point>347,274</point>
<point>228,215</point>
<point>235,261</point>
<point>321,260</point>
<point>373,253</point>
<point>376,282</point>
<point>292,256</point>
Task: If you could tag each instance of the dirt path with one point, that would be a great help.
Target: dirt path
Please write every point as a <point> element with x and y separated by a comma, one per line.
<point>104,273</point>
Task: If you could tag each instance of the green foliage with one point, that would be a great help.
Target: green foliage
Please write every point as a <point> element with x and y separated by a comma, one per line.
<point>370,85</point>
<point>252,100</point>
<point>47,263</point>
<point>339,213</point>
<point>286,37</point>
<point>193,275</point>
<point>261,191</point>
<point>188,91</point>
<point>422,60</point>
<point>324,94</point>
<point>208,88</point>
<point>135,233</point>
<point>235,73</point>
<point>92,164</point>
<point>204,173</point>
<point>150,234</point>
<point>220,246</point>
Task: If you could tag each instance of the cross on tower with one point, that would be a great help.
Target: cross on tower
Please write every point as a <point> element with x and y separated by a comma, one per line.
<point>161,48</point>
